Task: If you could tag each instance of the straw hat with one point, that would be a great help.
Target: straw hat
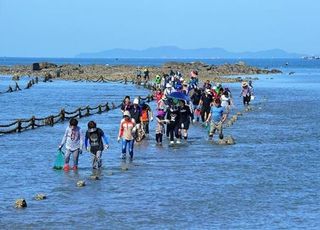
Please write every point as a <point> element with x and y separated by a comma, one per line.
<point>244,84</point>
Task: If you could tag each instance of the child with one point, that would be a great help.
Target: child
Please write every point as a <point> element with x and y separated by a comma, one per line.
<point>95,136</point>
<point>74,142</point>
<point>197,113</point>
<point>146,116</point>
<point>160,126</point>
<point>127,127</point>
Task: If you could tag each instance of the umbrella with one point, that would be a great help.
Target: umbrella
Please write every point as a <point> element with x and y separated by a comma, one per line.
<point>179,96</point>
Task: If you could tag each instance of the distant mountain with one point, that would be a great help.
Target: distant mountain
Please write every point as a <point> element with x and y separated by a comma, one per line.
<point>175,52</point>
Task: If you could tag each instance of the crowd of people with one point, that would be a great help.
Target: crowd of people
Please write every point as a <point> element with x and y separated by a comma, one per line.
<point>178,104</point>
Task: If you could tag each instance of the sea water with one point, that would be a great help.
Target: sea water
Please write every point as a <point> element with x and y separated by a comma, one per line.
<point>269,179</point>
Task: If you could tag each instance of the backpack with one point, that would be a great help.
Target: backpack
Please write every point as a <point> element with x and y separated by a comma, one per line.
<point>144,115</point>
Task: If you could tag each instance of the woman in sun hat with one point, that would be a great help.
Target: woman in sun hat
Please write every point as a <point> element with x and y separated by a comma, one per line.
<point>245,93</point>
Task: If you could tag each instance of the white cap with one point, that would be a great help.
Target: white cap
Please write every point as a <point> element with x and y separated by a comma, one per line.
<point>127,113</point>
<point>136,101</point>
<point>168,85</point>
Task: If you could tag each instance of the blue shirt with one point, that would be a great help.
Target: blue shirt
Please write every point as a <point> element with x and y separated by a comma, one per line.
<point>216,113</point>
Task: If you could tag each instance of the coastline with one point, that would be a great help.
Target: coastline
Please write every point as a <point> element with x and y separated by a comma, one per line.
<point>206,71</point>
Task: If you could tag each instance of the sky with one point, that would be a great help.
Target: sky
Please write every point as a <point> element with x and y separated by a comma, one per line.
<point>65,28</point>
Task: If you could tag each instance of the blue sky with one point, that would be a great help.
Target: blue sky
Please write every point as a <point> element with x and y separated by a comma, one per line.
<point>64,28</point>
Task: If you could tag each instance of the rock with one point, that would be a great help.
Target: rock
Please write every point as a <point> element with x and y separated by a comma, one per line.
<point>230,140</point>
<point>242,63</point>
<point>36,67</point>
<point>94,177</point>
<point>222,142</point>
<point>248,109</point>
<point>47,65</point>
<point>230,123</point>
<point>81,183</point>
<point>124,168</point>
<point>40,196</point>
<point>226,141</point>
<point>21,203</point>
<point>15,77</point>
<point>235,117</point>
<point>274,71</point>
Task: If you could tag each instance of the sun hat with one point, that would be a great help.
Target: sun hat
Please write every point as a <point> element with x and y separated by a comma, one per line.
<point>127,114</point>
<point>244,84</point>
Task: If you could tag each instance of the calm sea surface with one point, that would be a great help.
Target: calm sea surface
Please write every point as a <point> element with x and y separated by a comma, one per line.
<point>270,179</point>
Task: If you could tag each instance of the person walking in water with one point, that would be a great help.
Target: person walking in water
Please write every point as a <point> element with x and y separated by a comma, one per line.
<point>160,126</point>
<point>146,116</point>
<point>126,104</point>
<point>205,103</point>
<point>216,118</point>
<point>73,140</point>
<point>127,127</point>
<point>94,143</point>
<point>184,119</point>
<point>173,114</point>
<point>245,93</point>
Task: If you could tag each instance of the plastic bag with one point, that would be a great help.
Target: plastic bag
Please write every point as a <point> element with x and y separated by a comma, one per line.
<point>59,162</point>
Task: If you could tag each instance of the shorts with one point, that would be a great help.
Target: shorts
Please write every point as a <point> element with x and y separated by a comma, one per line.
<point>215,127</point>
<point>184,125</point>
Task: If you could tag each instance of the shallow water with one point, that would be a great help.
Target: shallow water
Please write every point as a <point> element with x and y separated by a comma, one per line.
<point>44,99</point>
<point>269,179</point>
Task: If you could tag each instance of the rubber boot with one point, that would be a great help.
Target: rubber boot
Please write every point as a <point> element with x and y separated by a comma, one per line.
<point>66,167</point>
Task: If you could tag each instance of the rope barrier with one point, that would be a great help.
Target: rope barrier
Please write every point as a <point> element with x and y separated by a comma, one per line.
<point>21,125</point>
<point>17,87</point>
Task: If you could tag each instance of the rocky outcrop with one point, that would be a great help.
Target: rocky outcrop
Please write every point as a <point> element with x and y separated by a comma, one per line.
<point>81,183</point>
<point>20,203</point>
<point>227,141</point>
<point>42,65</point>
<point>214,73</point>
<point>40,196</point>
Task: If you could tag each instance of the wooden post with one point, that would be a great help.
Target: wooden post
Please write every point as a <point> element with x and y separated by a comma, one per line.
<point>62,114</point>
<point>107,107</point>
<point>33,122</point>
<point>99,109</point>
<point>51,120</point>
<point>19,126</point>
<point>88,111</point>
<point>79,112</point>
